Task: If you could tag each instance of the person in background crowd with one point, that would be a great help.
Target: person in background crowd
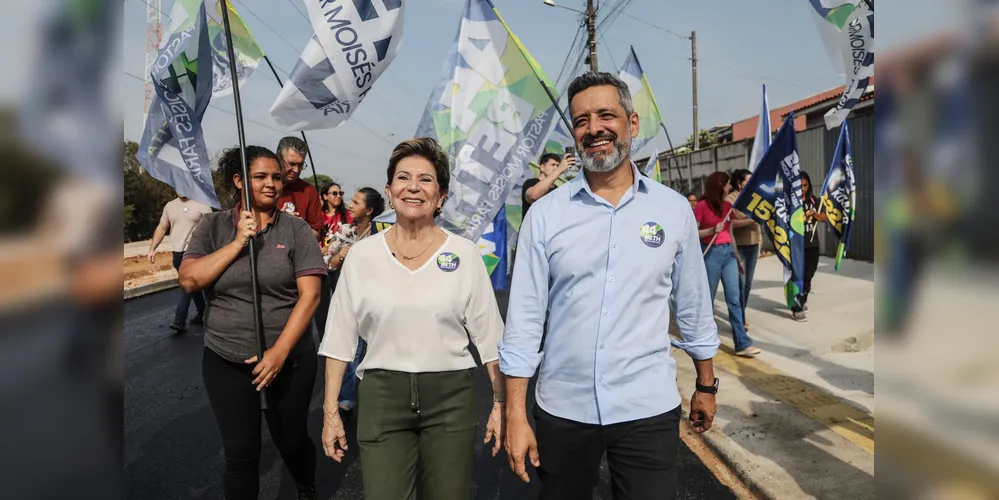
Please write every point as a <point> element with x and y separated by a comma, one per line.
<point>364,206</point>
<point>692,199</point>
<point>298,197</point>
<point>335,214</point>
<point>416,293</point>
<point>180,216</point>
<point>290,267</point>
<point>335,211</point>
<point>607,382</point>
<point>747,240</point>
<point>721,260</point>
<point>551,168</point>
<point>812,219</point>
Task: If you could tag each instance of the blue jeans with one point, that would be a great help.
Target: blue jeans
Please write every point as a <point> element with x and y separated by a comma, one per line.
<point>721,264</point>
<point>184,304</point>
<point>750,254</point>
<point>348,389</point>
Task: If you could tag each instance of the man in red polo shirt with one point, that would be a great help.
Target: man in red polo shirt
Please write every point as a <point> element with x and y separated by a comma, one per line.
<point>298,197</point>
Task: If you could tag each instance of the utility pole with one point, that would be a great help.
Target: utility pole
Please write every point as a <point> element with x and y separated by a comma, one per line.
<point>591,28</point>
<point>693,68</point>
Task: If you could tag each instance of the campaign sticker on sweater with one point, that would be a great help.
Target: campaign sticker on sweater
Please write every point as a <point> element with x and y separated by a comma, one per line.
<point>448,262</point>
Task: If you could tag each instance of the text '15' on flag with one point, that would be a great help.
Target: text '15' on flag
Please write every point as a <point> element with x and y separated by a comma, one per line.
<point>772,197</point>
<point>354,43</point>
<point>491,114</point>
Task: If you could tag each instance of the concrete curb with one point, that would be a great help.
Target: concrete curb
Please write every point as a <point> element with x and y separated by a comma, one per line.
<point>722,446</point>
<point>149,288</point>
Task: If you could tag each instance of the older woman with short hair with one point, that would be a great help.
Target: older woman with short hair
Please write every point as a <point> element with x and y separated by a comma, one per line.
<point>415,293</point>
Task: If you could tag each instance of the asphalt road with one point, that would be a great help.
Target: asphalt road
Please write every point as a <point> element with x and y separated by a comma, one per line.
<point>172,448</point>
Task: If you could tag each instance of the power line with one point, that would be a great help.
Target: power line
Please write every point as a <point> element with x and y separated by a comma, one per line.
<point>660,28</point>
<point>226,111</point>
<point>304,16</point>
<point>272,30</point>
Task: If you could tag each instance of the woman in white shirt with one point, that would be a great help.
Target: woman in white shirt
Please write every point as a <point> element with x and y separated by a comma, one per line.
<point>415,293</point>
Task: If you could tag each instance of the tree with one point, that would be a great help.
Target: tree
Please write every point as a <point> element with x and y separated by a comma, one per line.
<point>323,180</point>
<point>705,137</point>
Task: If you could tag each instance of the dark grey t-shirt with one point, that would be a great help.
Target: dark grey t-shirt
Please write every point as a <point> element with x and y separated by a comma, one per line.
<point>286,249</point>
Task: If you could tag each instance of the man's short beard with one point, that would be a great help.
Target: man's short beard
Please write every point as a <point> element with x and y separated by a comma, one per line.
<point>611,160</point>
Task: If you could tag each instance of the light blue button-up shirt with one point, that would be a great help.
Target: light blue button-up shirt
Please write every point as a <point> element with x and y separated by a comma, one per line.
<point>607,276</point>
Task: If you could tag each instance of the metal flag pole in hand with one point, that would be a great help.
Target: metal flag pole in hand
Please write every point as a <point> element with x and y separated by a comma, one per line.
<point>308,149</point>
<point>712,242</point>
<point>258,323</point>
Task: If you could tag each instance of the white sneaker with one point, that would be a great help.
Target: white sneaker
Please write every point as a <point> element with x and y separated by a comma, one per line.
<point>748,352</point>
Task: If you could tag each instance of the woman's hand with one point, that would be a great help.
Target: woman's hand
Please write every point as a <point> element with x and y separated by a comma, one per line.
<point>333,434</point>
<point>495,425</point>
<point>720,227</point>
<point>269,368</point>
<point>246,229</point>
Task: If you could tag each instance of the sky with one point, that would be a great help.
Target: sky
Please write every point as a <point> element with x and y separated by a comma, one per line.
<point>740,46</point>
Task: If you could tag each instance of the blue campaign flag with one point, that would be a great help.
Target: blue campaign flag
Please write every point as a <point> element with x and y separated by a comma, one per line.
<point>839,193</point>
<point>494,249</point>
<point>772,197</point>
<point>172,148</point>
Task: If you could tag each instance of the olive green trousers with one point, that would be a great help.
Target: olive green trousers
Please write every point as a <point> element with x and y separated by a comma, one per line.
<point>417,423</point>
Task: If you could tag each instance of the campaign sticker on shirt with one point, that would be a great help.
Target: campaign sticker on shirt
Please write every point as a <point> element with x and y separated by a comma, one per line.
<point>448,262</point>
<point>289,207</point>
<point>653,235</point>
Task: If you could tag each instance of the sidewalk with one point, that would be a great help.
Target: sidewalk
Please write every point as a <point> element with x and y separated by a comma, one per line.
<point>797,421</point>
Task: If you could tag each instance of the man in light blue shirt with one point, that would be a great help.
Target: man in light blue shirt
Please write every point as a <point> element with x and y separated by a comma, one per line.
<point>605,256</point>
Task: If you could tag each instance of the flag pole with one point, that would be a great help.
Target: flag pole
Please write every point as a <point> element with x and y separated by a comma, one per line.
<point>712,242</point>
<point>247,201</point>
<point>565,121</point>
<point>308,149</point>
<point>673,154</point>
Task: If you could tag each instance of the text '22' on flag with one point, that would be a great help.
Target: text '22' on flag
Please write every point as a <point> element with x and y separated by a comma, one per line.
<point>490,113</point>
<point>839,193</point>
<point>772,197</point>
<point>354,43</point>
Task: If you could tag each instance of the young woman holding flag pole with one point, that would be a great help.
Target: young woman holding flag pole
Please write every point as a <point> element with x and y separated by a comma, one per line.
<point>218,259</point>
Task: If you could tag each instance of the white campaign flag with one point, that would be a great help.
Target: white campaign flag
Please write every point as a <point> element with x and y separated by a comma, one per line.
<point>353,45</point>
<point>847,29</point>
<point>762,141</point>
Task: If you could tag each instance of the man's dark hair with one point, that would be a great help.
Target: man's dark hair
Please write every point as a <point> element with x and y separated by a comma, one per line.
<point>595,79</point>
<point>549,156</point>
<point>293,143</point>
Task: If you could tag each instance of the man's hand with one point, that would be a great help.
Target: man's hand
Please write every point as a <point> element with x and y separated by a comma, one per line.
<point>702,411</point>
<point>520,441</point>
<point>151,256</point>
<point>567,162</point>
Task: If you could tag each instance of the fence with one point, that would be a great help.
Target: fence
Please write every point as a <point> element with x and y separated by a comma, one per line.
<point>687,173</point>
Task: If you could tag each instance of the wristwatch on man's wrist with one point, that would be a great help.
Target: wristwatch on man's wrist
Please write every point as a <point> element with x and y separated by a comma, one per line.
<point>707,389</point>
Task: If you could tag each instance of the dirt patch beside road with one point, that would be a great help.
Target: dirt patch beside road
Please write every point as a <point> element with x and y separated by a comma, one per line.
<point>139,271</point>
